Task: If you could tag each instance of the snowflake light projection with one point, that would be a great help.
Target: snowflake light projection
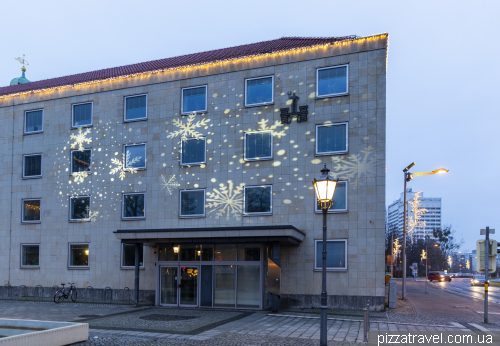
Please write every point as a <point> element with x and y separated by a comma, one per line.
<point>263,127</point>
<point>227,200</point>
<point>188,129</point>
<point>354,166</point>
<point>415,221</point>
<point>80,178</point>
<point>93,215</point>
<point>119,166</point>
<point>169,183</point>
<point>80,138</point>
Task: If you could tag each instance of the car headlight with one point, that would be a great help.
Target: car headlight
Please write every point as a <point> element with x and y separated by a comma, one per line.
<point>476,280</point>
<point>442,276</point>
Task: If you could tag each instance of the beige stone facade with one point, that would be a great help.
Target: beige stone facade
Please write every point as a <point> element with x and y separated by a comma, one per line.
<point>290,172</point>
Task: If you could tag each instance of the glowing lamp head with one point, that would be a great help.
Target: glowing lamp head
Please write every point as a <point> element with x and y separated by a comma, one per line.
<point>176,249</point>
<point>440,171</point>
<point>324,187</point>
<point>87,252</point>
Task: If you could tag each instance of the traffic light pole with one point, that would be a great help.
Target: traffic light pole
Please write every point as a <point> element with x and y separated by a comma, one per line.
<point>486,262</point>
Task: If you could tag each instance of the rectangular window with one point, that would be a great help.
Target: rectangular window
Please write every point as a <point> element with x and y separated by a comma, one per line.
<point>82,114</point>
<point>135,157</point>
<point>332,81</point>
<point>128,256</point>
<point>339,199</point>
<point>258,145</point>
<point>193,151</point>
<point>136,107</point>
<point>225,252</point>
<point>194,99</point>
<point>248,286</point>
<point>331,139</point>
<point>33,121</point>
<point>248,252</point>
<point>192,203</point>
<point>32,166</point>
<point>30,255</point>
<point>79,208</point>
<point>336,254</point>
<point>133,206</point>
<point>224,290</point>
<point>31,210</point>
<point>258,200</point>
<point>79,255</point>
<point>81,161</point>
<point>259,91</point>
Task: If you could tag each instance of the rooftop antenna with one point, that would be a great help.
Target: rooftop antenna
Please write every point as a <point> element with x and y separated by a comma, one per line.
<point>22,61</point>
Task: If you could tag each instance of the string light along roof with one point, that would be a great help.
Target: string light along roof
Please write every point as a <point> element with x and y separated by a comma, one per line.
<point>265,48</point>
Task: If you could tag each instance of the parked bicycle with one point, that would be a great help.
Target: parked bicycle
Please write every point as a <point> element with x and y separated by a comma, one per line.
<point>64,293</point>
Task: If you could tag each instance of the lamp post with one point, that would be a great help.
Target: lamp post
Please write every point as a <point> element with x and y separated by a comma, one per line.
<point>324,187</point>
<point>407,177</point>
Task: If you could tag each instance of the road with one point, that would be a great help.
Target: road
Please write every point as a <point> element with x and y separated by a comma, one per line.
<point>463,287</point>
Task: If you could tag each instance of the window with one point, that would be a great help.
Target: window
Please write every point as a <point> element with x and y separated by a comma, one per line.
<point>192,203</point>
<point>133,206</point>
<point>259,91</point>
<point>33,121</point>
<point>331,139</point>
<point>332,81</point>
<point>128,256</point>
<point>194,99</point>
<point>32,166</point>
<point>31,211</point>
<point>136,107</point>
<point>336,254</point>
<point>82,114</point>
<point>339,199</point>
<point>81,161</point>
<point>30,255</point>
<point>79,208</point>
<point>79,255</point>
<point>193,151</point>
<point>258,145</point>
<point>258,199</point>
<point>135,157</point>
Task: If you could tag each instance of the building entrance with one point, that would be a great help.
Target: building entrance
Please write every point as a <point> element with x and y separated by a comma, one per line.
<point>179,285</point>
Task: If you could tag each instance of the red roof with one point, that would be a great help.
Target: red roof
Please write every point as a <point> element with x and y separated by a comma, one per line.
<point>273,46</point>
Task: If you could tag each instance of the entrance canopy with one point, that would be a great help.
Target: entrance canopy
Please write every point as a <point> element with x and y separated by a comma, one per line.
<point>283,234</point>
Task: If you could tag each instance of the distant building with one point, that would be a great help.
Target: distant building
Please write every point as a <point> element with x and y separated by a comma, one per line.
<point>432,217</point>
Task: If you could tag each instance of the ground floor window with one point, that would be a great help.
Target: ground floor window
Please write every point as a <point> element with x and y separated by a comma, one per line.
<point>336,254</point>
<point>128,256</point>
<point>30,255</point>
<point>78,255</point>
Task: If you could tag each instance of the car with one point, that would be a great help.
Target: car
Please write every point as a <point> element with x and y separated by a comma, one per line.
<point>477,280</point>
<point>438,276</point>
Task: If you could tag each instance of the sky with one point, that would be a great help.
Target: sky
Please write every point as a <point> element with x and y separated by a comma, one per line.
<point>442,71</point>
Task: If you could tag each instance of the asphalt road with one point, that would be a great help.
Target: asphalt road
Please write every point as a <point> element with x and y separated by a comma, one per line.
<point>463,287</point>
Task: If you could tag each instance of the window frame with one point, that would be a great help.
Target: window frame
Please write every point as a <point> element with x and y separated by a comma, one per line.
<point>32,132</point>
<point>258,158</point>
<point>123,206</point>
<point>22,210</point>
<point>340,152</point>
<point>121,257</point>
<point>90,208</point>
<point>71,163</point>
<point>245,197</point>
<point>69,257</point>
<point>125,157</point>
<point>73,114</point>
<point>316,268</point>
<point>204,152</point>
<point>24,266</point>
<point>206,99</point>
<point>262,103</point>
<point>193,215</point>
<point>329,68</point>
<point>125,120</point>
<point>335,211</point>
<point>41,167</point>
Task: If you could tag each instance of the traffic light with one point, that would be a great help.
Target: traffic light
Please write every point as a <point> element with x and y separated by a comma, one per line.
<point>492,252</point>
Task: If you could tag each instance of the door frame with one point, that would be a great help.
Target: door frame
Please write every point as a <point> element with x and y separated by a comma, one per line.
<point>178,265</point>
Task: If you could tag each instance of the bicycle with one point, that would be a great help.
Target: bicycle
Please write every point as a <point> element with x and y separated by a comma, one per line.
<point>64,293</point>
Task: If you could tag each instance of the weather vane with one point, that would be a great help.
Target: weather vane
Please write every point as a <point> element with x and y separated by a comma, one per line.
<point>22,61</point>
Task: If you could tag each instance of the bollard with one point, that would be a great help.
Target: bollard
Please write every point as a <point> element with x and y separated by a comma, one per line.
<point>368,314</point>
<point>393,283</point>
<point>365,326</point>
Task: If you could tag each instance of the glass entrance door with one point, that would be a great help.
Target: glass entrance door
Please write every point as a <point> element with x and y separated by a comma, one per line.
<point>179,285</point>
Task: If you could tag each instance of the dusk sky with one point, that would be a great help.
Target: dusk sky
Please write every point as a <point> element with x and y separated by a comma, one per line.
<point>442,71</point>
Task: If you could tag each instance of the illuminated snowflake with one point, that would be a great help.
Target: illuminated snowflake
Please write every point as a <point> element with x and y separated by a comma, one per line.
<point>263,127</point>
<point>226,201</point>
<point>93,215</point>
<point>119,165</point>
<point>79,178</point>
<point>169,183</point>
<point>80,138</point>
<point>355,166</point>
<point>415,221</point>
<point>188,129</point>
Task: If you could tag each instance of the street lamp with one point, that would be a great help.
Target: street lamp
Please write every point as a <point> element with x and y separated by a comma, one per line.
<point>324,187</point>
<point>407,177</point>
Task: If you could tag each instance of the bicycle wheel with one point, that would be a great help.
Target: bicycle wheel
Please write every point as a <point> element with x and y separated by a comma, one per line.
<point>58,297</point>
<point>73,295</point>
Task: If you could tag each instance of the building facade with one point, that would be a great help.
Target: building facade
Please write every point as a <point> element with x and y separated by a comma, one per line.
<point>206,161</point>
<point>432,217</point>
